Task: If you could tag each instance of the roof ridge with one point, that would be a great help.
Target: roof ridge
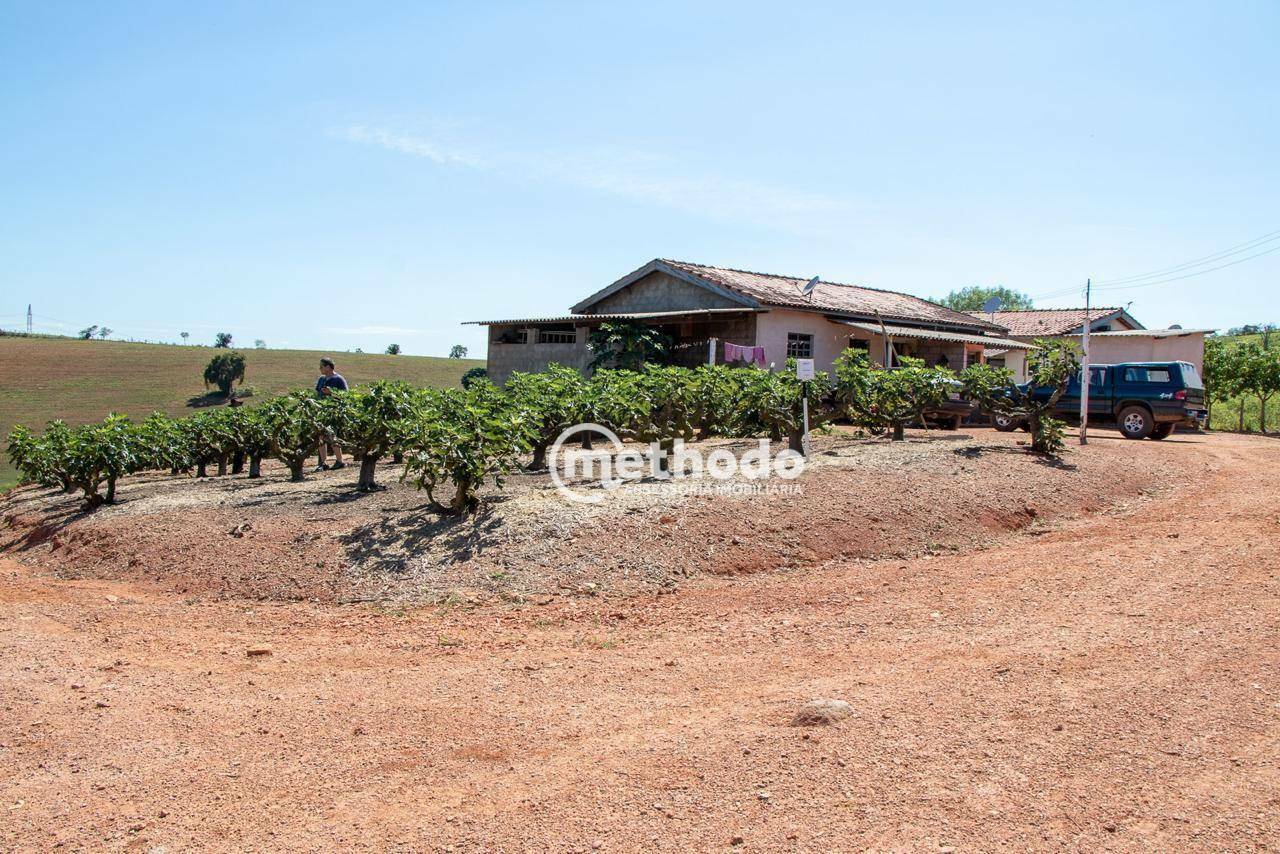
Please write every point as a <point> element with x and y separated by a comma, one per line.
<point>1029,310</point>
<point>797,278</point>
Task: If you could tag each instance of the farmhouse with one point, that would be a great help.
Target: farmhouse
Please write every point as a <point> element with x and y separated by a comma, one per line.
<point>724,314</point>
<point>1114,336</point>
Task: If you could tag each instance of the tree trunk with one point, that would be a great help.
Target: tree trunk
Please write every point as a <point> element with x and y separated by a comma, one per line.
<point>586,441</point>
<point>67,486</point>
<point>899,432</point>
<point>111,490</point>
<point>1262,414</point>
<point>539,460</point>
<point>1241,427</point>
<point>237,463</point>
<point>255,466</point>
<point>222,465</point>
<point>200,472</point>
<point>295,469</point>
<point>795,441</point>
<point>367,467</point>
<point>397,457</point>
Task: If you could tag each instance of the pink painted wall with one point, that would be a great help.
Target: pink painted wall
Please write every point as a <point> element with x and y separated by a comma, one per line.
<point>829,339</point>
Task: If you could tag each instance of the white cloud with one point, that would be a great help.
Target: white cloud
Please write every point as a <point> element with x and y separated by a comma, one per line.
<point>637,176</point>
<point>414,145</point>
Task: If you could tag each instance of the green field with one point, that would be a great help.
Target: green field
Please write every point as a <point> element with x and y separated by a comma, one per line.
<point>80,381</point>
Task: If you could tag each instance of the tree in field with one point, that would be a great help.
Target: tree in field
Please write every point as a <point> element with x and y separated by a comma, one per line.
<point>651,405</point>
<point>550,400</point>
<point>259,344</point>
<point>1259,375</point>
<point>889,399</point>
<point>88,332</point>
<point>224,371</point>
<point>1050,369</point>
<point>974,297</point>
<point>775,401</point>
<point>102,453</point>
<point>627,345</point>
<point>185,336</point>
<point>457,351</point>
<point>716,394</point>
<point>462,437</point>
<point>43,459</point>
<point>1216,373</point>
<point>222,340</point>
<point>162,444</point>
<point>293,424</point>
<point>474,375</point>
<point>367,420</point>
<point>393,349</point>
<point>104,332</point>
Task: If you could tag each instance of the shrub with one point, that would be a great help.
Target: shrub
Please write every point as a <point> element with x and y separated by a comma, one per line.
<point>293,424</point>
<point>462,438</point>
<point>881,399</point>
<point>474,375</point>
<point>102,453</point>
<point>1050,368</point>
<point>549,401</point>
<point>366,420</point>
<point>775,403</point>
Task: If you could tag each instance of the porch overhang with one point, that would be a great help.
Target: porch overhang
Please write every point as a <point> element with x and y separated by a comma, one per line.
<point>935,335</point>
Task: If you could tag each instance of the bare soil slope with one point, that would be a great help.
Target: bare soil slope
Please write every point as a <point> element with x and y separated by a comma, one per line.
<point>1110,681</point>
<point>320,540</point>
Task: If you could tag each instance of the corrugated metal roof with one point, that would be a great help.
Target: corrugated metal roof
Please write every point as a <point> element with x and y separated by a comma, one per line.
<point>935,335</point>
<point>631,315</point>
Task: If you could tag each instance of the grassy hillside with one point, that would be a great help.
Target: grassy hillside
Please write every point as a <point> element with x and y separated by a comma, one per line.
<point>1227,414</point>
<point>79,381</point>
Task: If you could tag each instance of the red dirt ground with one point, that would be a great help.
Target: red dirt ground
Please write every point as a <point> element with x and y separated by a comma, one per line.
<point>1107,681</point>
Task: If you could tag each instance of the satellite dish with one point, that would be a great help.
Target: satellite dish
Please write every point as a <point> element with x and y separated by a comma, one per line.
<point>807,290</point>
<point>992,305</point>
<point>1175,326</point>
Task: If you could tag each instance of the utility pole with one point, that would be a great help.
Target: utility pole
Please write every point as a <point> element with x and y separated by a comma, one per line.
<point>28,318</point>
<point>1084,368</point>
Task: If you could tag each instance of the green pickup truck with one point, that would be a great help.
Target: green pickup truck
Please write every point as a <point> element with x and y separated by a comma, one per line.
<point>1145,400</point>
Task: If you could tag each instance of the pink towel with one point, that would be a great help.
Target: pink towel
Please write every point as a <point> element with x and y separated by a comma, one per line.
<point>738,353</point>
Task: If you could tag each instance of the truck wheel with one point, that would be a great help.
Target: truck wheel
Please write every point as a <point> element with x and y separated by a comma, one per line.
<point>1135,422</point>
<point>1163,431</point>
<point>1004,423</point>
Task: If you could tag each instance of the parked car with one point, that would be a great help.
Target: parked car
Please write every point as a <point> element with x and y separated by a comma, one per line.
<point>1143,399</point>
<point>952,413</point>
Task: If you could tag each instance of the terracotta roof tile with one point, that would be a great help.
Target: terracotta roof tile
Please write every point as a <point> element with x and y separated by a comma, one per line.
<point>832,297</point>
<point>1049,321</point>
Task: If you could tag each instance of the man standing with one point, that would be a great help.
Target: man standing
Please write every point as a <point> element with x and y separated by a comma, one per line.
<point>329,382</point>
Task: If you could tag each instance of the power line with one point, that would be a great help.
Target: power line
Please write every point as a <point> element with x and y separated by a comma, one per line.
<point>1192,275</point>
<point>1196,262</point>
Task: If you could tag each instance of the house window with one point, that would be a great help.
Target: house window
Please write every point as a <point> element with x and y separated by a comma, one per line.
<point>513,336</point>
<point>557,336</point>
<point>799,345</point>
<point>860,344</point>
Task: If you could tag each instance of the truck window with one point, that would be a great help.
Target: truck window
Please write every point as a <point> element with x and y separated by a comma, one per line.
<point>1146,375</point>
<point>1190,376</point>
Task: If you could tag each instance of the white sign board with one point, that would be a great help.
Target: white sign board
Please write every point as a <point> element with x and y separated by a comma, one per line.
<point>804,369</point>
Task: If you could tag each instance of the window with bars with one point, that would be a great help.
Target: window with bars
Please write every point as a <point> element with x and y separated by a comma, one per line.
<point>556,336</point>
<point>799,345</point>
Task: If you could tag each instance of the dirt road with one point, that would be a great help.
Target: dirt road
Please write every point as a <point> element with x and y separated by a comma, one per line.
<point>1112,682</point>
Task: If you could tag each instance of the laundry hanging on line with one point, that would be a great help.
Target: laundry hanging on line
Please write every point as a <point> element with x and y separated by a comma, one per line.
<point>738,353</point>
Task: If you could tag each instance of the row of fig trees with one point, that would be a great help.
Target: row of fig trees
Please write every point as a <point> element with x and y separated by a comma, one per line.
<point>451,441</point>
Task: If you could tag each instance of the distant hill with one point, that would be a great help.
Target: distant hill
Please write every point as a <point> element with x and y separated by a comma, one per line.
<point>42,378</point>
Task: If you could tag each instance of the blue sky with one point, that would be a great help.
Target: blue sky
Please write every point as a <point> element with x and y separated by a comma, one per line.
<point>342,176</point>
